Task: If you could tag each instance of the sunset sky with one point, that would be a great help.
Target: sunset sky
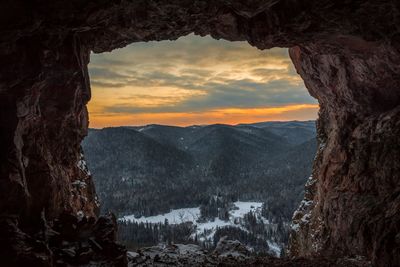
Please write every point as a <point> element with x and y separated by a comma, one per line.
<point>195,80</point>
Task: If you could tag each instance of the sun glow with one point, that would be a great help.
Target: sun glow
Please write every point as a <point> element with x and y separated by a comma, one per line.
<point>195,80</point>
<point>225,116</point>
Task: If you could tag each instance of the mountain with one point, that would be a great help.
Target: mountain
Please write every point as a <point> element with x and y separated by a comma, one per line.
<point>122,159</point>
<point>155,168</point>
<point>294,132</point>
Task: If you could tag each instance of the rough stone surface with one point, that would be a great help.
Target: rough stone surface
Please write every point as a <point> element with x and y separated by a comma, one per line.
<point>347,52</point>
<point>67,241</point>
<point>352,200</point>
<point>226,253</point>
<point>231,248</point>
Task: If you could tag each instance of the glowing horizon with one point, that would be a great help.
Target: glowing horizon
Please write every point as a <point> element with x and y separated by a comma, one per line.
<point>222,116</point>
<point>193,81</point>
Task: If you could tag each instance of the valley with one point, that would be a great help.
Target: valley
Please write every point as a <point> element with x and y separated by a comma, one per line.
<point>196,184</point>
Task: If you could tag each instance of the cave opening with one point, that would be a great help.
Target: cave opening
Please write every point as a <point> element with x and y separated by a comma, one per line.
<point>214,138</point>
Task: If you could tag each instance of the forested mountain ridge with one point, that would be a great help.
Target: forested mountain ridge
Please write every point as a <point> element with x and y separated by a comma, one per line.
<point>152,169</point>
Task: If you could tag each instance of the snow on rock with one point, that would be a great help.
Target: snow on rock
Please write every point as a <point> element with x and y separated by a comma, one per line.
<point>275,248</point>
<point>79,184</point>
<point>310,181</point>
<point>81,164</point>
<point>301,215</point>
<point>295,227</point>
<point>80,214</point>
<point>96,201</point>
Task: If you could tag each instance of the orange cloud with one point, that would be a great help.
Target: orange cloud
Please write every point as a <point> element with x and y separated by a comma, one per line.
<point>196,80</point>
<point>225,116</point>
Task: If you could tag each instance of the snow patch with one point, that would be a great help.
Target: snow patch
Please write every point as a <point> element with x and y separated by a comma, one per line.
<point>275,248</point>
<point>295,227</point>
<point>176,216</point>
<point>244,208</point>
<point>81,164</point>
<point>208,228</point>
<point>96,201</point>
<point>310,181</point>
<point>304,211</point>
<point>79,184</point>
<point>80,214</point>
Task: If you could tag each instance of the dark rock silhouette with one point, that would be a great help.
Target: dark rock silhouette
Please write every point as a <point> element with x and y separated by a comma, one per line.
<point>346,51</point>
<point>227,253</point>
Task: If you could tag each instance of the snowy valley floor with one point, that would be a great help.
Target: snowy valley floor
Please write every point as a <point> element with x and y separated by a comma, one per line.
<point>206,230</point>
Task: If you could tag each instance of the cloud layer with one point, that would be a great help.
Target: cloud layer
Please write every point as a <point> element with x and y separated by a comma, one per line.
<point>195,80</point>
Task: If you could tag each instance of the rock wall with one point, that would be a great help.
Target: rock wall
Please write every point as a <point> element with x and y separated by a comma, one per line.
<point>346,51</point>
<point>48,201</point>
<point>352,200</point>
<point>44,118</point>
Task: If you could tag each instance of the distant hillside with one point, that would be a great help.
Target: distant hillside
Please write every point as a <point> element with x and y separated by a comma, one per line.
<point>152,169</point>
<point>294,132</point>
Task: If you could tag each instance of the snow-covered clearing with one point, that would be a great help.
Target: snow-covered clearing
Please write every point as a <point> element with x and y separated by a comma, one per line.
<point>192,214</point>
<point>174,216</point>
<point>177,216</point>
<point>244,208</point>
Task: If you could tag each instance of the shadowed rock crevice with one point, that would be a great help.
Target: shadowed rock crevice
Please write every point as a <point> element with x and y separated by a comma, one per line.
<point>347,52</point>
